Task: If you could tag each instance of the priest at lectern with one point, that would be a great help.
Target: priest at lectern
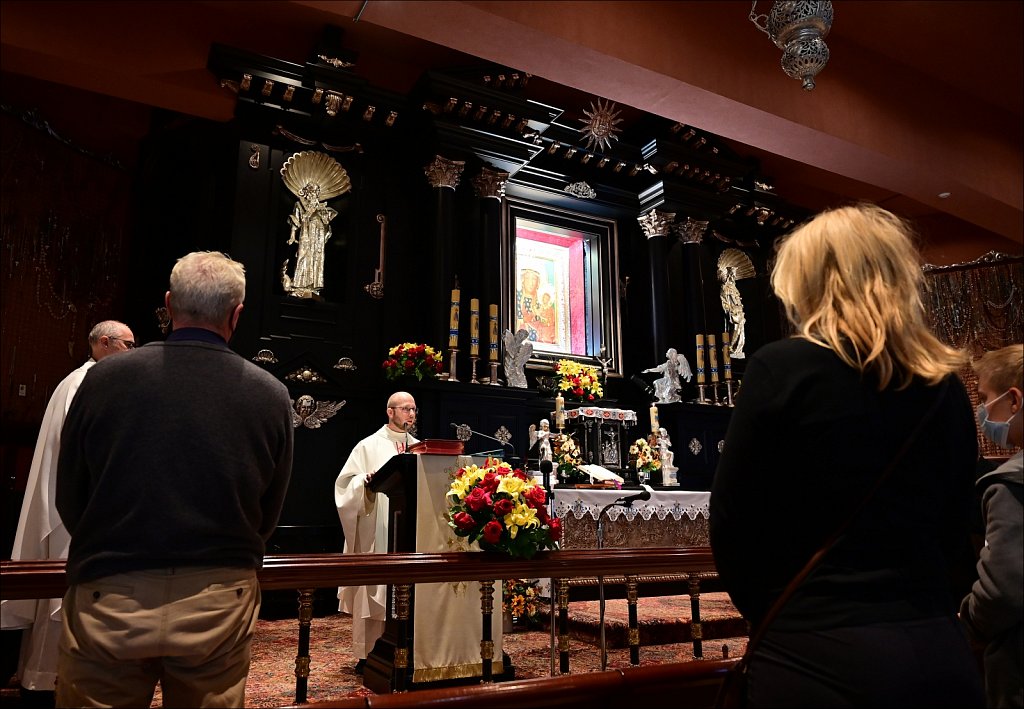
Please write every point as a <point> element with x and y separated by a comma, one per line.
<point>364,518</point>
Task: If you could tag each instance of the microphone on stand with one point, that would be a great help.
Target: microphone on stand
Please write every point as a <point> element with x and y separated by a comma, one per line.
<point>463,432</point>
<point>628,501</point>
<point>546,467</point>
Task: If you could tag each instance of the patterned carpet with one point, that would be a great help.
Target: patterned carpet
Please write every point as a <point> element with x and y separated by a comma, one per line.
<point>664,636</point>
<point>272,674</point>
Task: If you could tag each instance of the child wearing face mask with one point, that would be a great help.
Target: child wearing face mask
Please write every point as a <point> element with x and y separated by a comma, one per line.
<point>994,610</point>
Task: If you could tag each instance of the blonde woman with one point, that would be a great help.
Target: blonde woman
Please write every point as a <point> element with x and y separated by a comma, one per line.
<point>821,416</point>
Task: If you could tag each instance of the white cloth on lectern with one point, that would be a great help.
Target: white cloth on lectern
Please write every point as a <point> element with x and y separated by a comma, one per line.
<point>364,519</point>
<point>41,535</point>
<point>447,627</point>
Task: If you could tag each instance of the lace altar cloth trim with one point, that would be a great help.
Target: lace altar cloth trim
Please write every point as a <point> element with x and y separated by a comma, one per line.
<point>668,519</point>
<point>677,505</point>
<point>595,412</point>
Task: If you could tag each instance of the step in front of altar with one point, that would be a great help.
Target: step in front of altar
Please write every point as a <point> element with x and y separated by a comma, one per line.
<point>661,620</point>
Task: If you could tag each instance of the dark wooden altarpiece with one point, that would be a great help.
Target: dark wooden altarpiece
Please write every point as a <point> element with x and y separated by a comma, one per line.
<point>440,165</point>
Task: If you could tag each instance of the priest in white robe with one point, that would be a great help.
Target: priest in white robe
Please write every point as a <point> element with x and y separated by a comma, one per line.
<point>40,533</point>
<point>364,518</point>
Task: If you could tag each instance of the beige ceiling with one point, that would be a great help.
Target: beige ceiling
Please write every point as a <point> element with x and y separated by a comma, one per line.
<point>919,98</point>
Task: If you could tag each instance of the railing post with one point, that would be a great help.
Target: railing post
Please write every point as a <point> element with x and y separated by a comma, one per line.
<point>403,592</point>
<point>563,626</point>
<point>486,641</point>
<point>634,626</point>
<point>302,656</point>
<point>696,631</point>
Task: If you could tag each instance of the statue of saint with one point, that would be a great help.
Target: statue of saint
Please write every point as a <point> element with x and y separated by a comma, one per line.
<point>311,218</point>
<point>666,454</point>
<point>732,304</point>
<point>314,178</point>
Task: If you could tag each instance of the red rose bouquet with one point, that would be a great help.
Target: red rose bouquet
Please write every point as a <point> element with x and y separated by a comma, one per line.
<point>502,509</point>
<point>413,360</point>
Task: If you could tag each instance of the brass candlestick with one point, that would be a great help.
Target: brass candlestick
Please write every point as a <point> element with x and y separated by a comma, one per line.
<point>451,364</point>
<point>494,374</point>
<point>472,369</point>
<point>729,393</point>
<point>702,396</point>
<point>714,392</point>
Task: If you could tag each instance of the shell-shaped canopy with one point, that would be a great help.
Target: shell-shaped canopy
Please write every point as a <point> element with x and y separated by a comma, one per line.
<point>320,169</point>
<point>742,266</point>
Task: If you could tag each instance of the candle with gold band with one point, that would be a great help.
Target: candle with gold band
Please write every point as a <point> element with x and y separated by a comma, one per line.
<point>453,320</point>
<point>713,358</point>
<point>559,411</point>
<point>700,359</point>
<point>493,345</point>
<point>655,425</point>
<point>474,327</point>
<point>726,357</point>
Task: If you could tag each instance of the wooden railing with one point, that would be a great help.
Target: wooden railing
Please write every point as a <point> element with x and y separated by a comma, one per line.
<point>307,572</point>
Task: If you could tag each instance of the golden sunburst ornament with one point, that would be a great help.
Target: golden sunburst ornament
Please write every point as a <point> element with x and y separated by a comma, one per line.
<point>599,126</point>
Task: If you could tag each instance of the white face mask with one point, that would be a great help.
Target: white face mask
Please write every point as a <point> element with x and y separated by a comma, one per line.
<point>996,431</point>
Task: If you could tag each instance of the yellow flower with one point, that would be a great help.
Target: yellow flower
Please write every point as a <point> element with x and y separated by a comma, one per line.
<point>512,485</point>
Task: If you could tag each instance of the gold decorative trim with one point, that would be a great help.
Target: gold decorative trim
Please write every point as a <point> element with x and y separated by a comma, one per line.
<point>634,636</point>
<point>281,130</point>
<point>230,84</point>
<point>317,96</point>
<point>289,93</point>
<point>442,172</point>
<point>268,87</point>
<point>696,632</point>
<point>311,413</point>
<point>401,657</point>
<point>302,666</point>
<point>335,62</point>
<point>265,357</point>
<point>254,157</point>
<point>246,82</point>
<point>490,183</point>
<point>435,674</point>
<point>368,113</point>
<point>390,120</point>
<point>487,649</point>
<point>306,375</point>
<point>333,103</point>
<point>656,223</point>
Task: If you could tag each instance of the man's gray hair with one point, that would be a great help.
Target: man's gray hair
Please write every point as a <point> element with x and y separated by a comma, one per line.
<point>107,328</point>
<point>206,286</point>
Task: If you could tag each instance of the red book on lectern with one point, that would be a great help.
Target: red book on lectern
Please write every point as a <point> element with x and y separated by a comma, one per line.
<point>438,446</point>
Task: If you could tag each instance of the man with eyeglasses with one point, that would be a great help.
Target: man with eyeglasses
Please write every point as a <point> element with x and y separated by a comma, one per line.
<point>364,518</point>
<point>40,533</point>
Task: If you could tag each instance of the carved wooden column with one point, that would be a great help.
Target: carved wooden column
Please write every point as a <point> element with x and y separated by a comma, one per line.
<point>691,233</point>
<point>443,175</point>
<point>656,226</point>
<point>490,188</point>
<point>302,656</point>
<point>486,641</point>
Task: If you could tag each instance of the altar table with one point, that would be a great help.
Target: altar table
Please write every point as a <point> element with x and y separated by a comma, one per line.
<point>671,518</point>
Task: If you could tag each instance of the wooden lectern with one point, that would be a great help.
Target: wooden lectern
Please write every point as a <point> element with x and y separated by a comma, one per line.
<point>416,485</point>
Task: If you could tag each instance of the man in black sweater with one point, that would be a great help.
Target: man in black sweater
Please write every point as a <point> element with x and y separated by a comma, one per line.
<point>173,468</point>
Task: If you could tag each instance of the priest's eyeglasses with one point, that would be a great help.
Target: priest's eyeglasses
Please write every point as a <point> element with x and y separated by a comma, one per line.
<point>408,409</point>
<point>128,344</point>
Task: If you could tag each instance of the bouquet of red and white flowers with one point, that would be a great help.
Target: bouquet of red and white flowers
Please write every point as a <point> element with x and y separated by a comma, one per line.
<point>502,509</point>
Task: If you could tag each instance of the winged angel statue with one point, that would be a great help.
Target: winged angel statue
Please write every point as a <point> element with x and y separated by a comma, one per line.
<point>311,413</point>
<point>518,350</point>
<point>734,265</point>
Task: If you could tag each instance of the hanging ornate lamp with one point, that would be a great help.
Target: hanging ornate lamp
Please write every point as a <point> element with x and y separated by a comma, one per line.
<point>799,30</point>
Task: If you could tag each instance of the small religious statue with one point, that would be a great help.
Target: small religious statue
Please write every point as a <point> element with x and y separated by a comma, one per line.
<point>518,350</point>
<point>733,266</point>
<point>668,470</point>
<point>541,437</point>
<point>313,178</point>
<point>667,386</point>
